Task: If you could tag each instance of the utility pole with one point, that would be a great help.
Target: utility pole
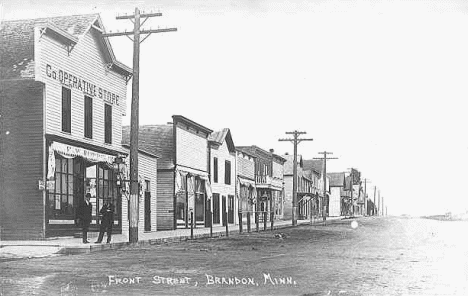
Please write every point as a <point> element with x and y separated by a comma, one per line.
<point>365,194</point>
<point>383,212</point>
<point>134,121</point>
<point>324,158</point>
<point>378,208</point>
<point>375,205</point>
<point>295,141</point>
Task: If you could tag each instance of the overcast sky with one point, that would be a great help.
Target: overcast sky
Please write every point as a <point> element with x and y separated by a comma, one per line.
<point>381,84</point>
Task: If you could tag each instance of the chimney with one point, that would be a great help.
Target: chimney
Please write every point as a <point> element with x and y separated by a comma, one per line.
<point>286,153</point>
<point>272,150</point>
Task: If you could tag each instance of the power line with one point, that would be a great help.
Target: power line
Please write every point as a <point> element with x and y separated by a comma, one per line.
<point>295,141</point>
<point>134,190</point>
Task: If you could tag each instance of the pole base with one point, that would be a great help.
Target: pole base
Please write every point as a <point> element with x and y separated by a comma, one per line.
<point>133,235</point>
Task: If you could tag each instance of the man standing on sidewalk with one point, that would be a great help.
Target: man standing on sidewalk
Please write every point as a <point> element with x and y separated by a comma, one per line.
<point>83,215</point>
<point>107,213</point>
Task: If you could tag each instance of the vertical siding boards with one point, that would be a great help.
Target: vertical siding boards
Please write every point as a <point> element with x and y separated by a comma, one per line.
<point>21,155</point>
<point>85,61</point>
<point>165,200</point>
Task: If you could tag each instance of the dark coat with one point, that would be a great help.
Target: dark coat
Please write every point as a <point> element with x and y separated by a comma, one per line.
<point>83,213</point>
<point>107,212</point>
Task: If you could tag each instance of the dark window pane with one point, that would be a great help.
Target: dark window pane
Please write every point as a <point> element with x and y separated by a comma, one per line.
<point>88,117</point>
<point>108,124</point>
<point>66,109</point>
<point>215,170</point>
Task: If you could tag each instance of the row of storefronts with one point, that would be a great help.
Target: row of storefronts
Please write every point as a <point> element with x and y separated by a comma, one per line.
<point>62,98</point>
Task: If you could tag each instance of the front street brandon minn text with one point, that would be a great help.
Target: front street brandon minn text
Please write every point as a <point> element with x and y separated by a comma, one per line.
<point>209,280</point>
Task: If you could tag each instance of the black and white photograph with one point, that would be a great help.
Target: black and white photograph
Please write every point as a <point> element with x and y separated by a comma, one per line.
<point>234,147</point>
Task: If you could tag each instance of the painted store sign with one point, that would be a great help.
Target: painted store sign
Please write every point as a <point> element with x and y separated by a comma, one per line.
<point>81,84</point>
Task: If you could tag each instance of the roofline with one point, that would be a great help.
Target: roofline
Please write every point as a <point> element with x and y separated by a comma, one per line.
<point>190,122</point>
<point>239,149</point>
<point>142,151</point>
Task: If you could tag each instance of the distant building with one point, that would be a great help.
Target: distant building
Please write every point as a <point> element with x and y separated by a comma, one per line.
<point>268,181</point>
<point>305,194</point>
<point>337,184</point>
<point>222,157</point>
<point>246,187</point>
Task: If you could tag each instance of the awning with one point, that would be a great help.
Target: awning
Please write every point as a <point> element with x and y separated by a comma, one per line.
<point>69,151</point>
<point>180,175</point>
<point>246,182</point>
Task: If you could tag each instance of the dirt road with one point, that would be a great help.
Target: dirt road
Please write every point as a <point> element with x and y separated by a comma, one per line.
<point>382,256</point>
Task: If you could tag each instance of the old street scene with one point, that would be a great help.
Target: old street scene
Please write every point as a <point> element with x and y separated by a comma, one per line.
<point>233,148</point>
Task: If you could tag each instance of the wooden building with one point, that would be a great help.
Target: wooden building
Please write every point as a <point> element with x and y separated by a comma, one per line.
<point>183,186</point>
<point>147,184</point>
<point>62,98</point>
<point>337,185</point>
<point>246,189</point>
<point>304,189</point>
<point>268,181</point>
<point>222,155</point>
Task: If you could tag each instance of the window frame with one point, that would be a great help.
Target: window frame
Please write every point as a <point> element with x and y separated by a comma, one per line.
<point>107,124</point>
<point>227,172</point>
<point>215,170</point>
<point>88,117</point>
<point>66,110</point>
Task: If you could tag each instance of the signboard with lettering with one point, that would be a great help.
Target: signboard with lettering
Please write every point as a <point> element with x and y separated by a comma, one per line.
<point>81,84</point>
<point>41,185</point>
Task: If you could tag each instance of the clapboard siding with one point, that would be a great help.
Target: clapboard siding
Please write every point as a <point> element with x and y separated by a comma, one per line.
<point>191,149</point>
<point>165,200</point>
<point>245,166</point>
<point>86,62</point>
<point>21,160</point>
<point>147,170</point>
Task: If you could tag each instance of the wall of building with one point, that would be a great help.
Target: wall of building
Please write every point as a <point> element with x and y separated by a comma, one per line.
<point>245,166</point>
<point>147,170</point>
<point>278,170</point>
<point>223,154</point>
<point>165,200</point>
<point>335,202</point>
<point>85,62</point>
<point>191,148</point>
<point>21,160</point>
<point>288,197</point>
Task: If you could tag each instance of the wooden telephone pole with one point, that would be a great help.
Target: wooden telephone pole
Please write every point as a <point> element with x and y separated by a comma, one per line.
<point>137,32</point>
<point>295,141</point>
<point>365,195</point>
<point>325,158</point>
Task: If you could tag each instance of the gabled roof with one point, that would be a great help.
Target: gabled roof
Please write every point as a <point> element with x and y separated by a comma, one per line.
<point>155,139</point>
<point>17,42</point>
<point>219,137</point>
<point>289,164</point>
<point>337,179</point>
<point>313,164</point>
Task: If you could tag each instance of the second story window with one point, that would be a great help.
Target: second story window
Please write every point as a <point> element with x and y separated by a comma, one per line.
<point>227,173</point>
<point>88,117</point>
<point>215,169</point>
<point>66,110</point>
<point>108,124</point>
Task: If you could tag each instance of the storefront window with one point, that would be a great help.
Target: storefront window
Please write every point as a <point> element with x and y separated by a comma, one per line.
<point>72,182</point>
<point>61,203</point>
